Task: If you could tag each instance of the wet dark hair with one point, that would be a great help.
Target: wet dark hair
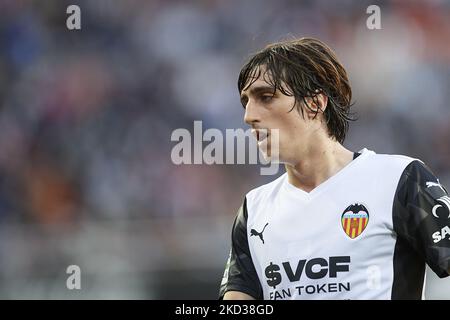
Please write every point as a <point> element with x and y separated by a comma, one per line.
<point>304,68</point>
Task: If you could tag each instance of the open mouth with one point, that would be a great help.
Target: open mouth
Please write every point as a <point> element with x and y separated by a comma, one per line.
<point>261,134</point>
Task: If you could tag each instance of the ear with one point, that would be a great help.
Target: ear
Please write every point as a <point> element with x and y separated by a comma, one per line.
<point>316,104</point>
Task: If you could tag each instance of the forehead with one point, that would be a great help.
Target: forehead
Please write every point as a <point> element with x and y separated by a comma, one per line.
<point>261,81</point>
<point>260,78</point>
<point>257,85</point>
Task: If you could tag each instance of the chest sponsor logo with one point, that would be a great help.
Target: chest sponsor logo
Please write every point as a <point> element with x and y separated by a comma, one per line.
<point>316,268</point>
<point>318,275</point>
<point>354,220</point>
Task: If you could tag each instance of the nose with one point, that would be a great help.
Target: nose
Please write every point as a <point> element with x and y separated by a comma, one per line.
<point>251,114</point>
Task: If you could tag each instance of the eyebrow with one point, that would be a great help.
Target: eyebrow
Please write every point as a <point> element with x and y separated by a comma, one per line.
<point>256,90</point>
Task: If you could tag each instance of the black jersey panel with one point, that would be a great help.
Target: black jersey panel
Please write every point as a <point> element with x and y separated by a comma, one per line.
<point>240,274</point>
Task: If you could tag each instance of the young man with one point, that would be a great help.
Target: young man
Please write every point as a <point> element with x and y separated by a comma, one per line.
<point>337,224</point>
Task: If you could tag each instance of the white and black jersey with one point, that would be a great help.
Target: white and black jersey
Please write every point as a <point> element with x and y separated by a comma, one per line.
<point>365,233</point>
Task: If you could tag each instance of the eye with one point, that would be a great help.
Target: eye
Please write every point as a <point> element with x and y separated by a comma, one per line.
<point>244,102</point>
<point>266,98</point>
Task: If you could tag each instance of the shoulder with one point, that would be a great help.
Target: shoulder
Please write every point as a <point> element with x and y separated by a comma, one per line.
<point>266,191</point>
<point>409,168</point>
<point>392,160</point>
<point>392,165</point>
<point>409,175</point>
<point>254,199</point>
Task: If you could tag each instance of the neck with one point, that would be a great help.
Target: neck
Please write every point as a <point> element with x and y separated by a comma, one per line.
<point>318,164</point>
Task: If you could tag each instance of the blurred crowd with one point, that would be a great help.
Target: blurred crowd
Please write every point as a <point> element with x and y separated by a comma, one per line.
<point>86,116</point>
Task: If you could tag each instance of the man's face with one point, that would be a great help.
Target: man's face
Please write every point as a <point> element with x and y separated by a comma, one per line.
<point>266,110</point>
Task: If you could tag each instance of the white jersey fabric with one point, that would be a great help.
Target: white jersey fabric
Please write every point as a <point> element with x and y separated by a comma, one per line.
<point>365,233</point>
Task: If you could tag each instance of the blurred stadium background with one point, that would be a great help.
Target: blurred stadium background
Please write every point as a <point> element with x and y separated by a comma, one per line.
<point>86,118</point>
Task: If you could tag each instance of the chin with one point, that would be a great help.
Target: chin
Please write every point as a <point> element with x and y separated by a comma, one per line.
<point>270,148</point>
<point>271,156</point>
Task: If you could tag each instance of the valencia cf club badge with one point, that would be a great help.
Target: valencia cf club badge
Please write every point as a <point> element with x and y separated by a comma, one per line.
<point>355,219</point>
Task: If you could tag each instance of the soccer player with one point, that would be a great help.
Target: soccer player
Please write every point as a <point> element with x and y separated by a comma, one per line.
<point>338,224</point>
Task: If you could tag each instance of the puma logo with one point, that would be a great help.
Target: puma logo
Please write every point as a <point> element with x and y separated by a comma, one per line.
<point>253,232</point>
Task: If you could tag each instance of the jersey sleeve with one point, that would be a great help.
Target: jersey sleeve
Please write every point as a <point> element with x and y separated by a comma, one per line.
<point>421,216</point>
<point>240,274</point>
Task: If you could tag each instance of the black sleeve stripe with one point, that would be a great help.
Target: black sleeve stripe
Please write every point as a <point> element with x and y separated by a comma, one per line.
<point>240,273</point>
<point>240,288</point>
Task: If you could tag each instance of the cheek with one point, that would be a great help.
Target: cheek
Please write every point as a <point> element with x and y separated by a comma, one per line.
<point>292,134</point>
<point>289,122</point>
<point>290,129</point>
